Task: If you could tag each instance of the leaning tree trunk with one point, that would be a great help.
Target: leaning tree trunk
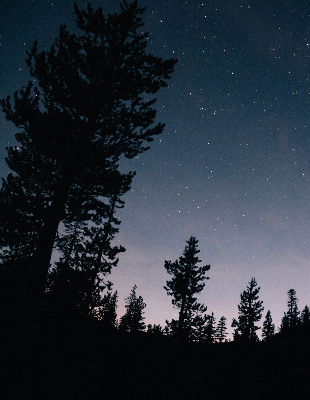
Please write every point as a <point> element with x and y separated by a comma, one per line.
<point>183,310</point>
<point>42,254</point>
<point>102,247</point>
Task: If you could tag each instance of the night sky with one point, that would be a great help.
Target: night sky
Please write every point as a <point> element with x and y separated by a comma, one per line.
<point>232,166</point>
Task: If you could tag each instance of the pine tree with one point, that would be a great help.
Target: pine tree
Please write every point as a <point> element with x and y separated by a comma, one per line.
<point>156,330</point>
<point>132,320</point>
<point>106,312</point>
<point>210,329</point>
<point>292,313</point>
<point>171,328</point>
<point>305,317</point>
<point>237,332</point>
<point>195,327</point>
<point>93,104</point>
<point>285,324</point>
<point>268,327</point>
<point>186,283</point>
<point>221,329</point>
<point>87,257</point>
<point>250,312</point>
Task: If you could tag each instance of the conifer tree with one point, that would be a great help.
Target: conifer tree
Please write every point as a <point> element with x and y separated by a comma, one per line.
<point>171,328</point>
<point>221,329</point>
<point>250,312</point>
<point>210,328</point>
<point>305,317</point>
<point>268,327</point>
<point>106,312</point>
<point>87,257</point>
<point>132,320</point>
<point>285,324</point>
<point>195,326</point>
<point>93,103</point>
<point>293,312</point>
<point>237,332</point>
<point>155,330</point>
<point>186,283</point>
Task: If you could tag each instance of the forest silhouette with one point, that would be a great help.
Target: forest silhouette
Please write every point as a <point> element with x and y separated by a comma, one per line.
<point>60,335</point>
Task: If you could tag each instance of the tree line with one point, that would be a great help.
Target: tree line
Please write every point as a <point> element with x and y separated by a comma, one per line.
<point>194,324</point>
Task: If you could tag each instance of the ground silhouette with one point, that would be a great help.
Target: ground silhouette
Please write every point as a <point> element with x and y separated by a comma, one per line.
<point>80,358</point>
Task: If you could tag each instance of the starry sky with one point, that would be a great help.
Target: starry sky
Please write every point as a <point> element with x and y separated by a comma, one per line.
<point>232,166</point>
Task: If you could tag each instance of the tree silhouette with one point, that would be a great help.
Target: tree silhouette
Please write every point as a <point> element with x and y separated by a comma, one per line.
<point>106,312</point>
<point>292,313</point>
<point>154,329</point>
<point>132,320</point>
<point>210,329</point>
<point>171,328</point>
<point>250,311</point>
<point>268,327</point>
<point>195,325</point>
<point>221,329</point>
<point>187,281</point>
<point>291,318</point>
<point>305,317</point>
<point>285,323</point>
<point>93,104</point>
<point>87,257</point>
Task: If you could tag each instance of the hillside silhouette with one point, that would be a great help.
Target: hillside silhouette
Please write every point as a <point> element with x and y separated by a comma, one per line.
<point>82,359</point>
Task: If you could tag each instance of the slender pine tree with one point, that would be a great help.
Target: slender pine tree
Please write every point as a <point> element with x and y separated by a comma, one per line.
<point>221,329</point>
<point>132,320</point>
<point>93,103</point>
<point>250,312</point>
<point>210,328</point>
<point>186,283</point>
<point>107,310</point>
<point>292,312</point>
<point>268,327</point>
<point>305,317</point>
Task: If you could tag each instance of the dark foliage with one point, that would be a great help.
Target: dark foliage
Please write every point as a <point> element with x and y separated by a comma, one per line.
<point>221,329</point>
<point>305,317</point>
<point>250,312</point>
<point>132,320</point>
<point>186,283</point>
<point>268,327</point>
<point>210,329</point>
<point>86,258</point>
<point>291,318</point>
<point>293,312</point>
<point>106,311</point>
<point>93,103</point>
<point>155,330</point>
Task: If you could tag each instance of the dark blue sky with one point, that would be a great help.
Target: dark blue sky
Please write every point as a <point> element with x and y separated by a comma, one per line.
<point>232,166</point>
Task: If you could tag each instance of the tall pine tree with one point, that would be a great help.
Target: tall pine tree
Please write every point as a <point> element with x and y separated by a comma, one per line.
<point>221,329</point>
<point>291,318</point>
<point>186,283</point>
<point>93,104</point>
<point>292,312</point>
<point>305,317</point>
<point>250,311</point>
<point>132,320</point>
<point>268,327</point>
<point>210,329</point>
<point>106,312</point>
